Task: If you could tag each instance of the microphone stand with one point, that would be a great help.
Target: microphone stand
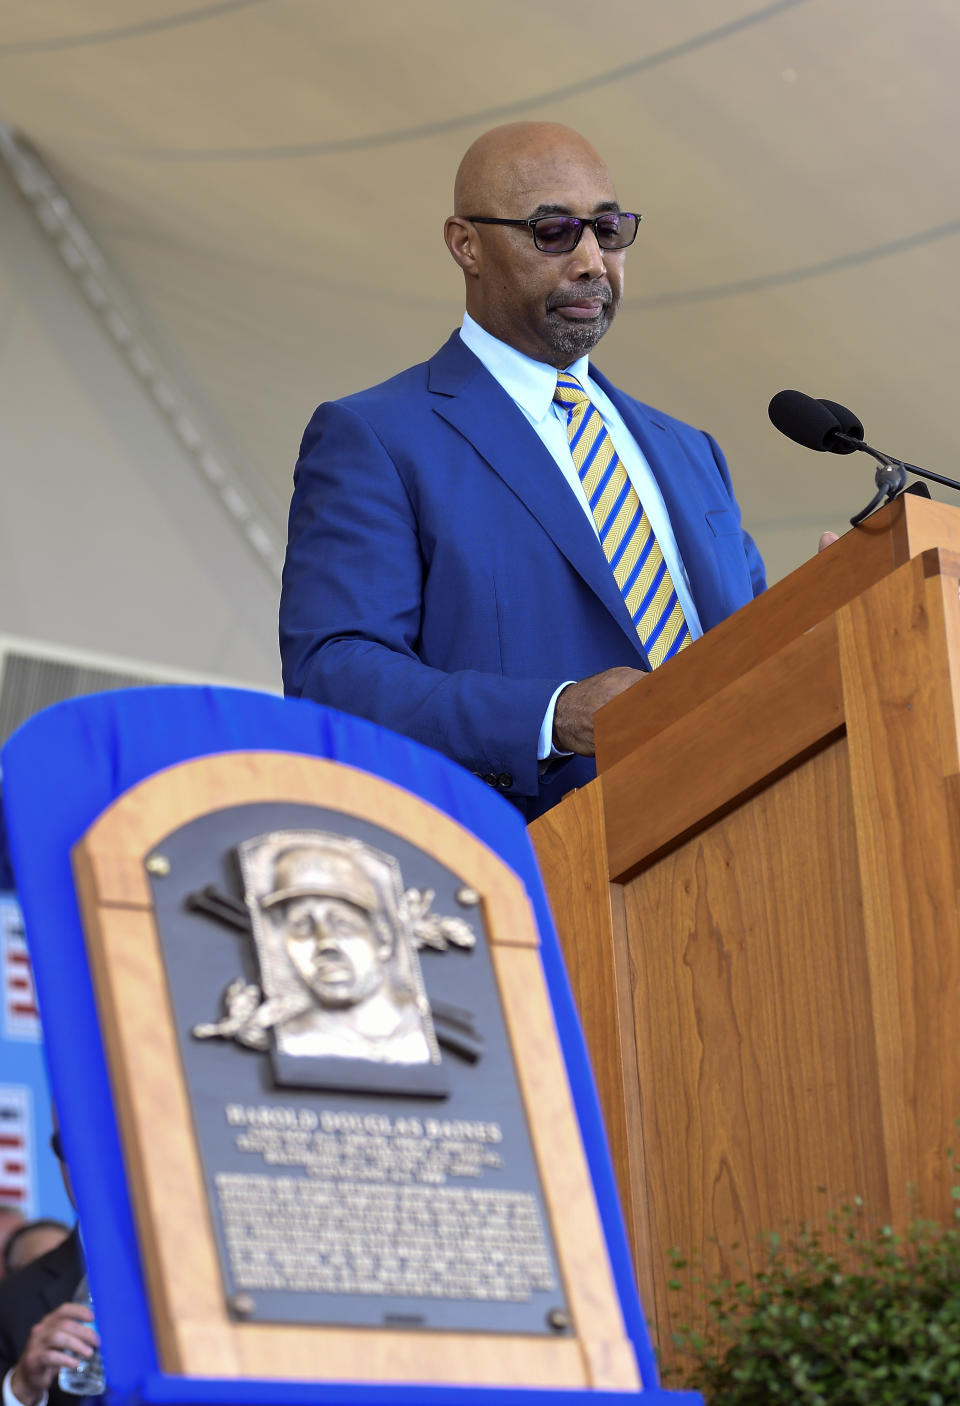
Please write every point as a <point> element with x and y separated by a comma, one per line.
<point>890,477</point>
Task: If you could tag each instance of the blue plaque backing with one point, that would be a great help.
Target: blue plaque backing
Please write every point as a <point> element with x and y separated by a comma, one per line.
<point>60,771</point>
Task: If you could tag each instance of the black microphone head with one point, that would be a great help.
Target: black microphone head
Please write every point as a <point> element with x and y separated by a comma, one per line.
<point>804,419</point>
<point>849,425</point>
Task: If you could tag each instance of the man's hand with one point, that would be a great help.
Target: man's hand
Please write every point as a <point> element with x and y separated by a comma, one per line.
<point>827,539</point>
<point>576,705</point>
<point>59,1340</point>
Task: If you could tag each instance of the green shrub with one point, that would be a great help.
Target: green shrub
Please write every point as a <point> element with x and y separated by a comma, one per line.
<point>836,1318</point>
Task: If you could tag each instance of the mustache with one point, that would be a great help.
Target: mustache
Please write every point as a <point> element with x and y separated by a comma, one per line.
<point>580,293</point>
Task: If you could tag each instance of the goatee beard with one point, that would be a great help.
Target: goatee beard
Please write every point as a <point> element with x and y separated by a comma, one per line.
<point>575,339</point>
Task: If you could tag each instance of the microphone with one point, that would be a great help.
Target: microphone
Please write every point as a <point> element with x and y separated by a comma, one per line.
<point>826,425</point>
<point>849,425</point>
<point>809,422</point>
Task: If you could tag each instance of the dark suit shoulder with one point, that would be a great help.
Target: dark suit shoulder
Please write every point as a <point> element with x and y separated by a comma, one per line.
<point>32,1292</point>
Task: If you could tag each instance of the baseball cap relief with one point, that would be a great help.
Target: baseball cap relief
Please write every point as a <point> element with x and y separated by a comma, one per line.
<point>312,872</point>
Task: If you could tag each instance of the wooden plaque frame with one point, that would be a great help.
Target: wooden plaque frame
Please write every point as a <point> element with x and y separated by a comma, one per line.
<point>195,1337</point>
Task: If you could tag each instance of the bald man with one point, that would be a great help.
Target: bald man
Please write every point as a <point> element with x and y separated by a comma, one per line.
<point>488,547</point>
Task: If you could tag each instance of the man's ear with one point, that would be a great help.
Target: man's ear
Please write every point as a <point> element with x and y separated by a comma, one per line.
<point>463,243</point>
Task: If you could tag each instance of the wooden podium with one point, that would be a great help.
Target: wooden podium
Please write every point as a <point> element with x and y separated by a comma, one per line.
<point>758,903</point>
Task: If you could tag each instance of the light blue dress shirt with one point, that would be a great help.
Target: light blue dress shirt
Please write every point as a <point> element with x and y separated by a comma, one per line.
<point>531,385</point>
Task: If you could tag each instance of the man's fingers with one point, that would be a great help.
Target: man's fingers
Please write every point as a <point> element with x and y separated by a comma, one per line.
<point>82,1312</point>
<point>826,540</point>
<point>61,1357</point>
<point>64,1338</point>
<point>577,704</point>
<point>67,1333</point>
<point>80,1340</point>
<point>59,1340</point>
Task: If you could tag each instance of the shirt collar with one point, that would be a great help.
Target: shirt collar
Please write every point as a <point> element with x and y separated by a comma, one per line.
<point>530,383</point>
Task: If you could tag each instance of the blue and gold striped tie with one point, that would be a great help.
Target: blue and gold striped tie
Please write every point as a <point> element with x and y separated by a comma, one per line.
<point>626,536</point>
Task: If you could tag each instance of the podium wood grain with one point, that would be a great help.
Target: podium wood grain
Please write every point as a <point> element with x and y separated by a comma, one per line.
<point>758,631</point>
<point>571,847</point>
<point>770,985</point>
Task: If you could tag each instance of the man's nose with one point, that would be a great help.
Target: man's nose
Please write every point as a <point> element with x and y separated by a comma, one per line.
<point>588,257</point>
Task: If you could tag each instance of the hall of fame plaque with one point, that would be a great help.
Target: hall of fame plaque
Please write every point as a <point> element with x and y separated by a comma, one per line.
<point>334,1057</point>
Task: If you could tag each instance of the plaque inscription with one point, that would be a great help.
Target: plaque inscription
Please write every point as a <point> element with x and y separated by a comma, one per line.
<point>366,1238</point>
<point>377,1215</point>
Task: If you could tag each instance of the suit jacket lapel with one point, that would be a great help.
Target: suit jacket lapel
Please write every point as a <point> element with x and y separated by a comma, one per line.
<point>61,1266</point>
<point>473,402</point>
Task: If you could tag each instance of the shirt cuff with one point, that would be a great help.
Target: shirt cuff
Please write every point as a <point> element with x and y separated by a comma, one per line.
<point>8,1397</point>
<point>545,750</point>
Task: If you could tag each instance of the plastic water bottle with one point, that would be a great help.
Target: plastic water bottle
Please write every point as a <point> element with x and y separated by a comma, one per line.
<point>87,1379</point>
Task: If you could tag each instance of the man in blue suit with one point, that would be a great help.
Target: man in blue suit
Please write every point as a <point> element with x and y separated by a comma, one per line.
<point>449,571</point>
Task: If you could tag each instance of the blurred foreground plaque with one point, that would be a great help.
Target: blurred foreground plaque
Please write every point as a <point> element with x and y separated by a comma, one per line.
<point>349,1133</point>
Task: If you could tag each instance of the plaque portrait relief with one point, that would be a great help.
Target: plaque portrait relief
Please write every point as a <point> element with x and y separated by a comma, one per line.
<point>340,1000</point>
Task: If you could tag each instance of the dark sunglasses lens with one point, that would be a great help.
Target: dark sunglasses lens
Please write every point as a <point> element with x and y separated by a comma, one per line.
<point>616,231</point>
<point>555,234</point>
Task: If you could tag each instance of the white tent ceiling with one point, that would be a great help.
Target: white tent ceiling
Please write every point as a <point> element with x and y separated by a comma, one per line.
<point>268,179</point>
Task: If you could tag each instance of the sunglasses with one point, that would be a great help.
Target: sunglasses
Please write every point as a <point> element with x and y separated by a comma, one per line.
<point>559,234</point>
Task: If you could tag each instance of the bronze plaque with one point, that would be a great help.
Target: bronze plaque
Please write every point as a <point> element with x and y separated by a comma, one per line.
<point>355,1100</point>
<point>345,1112</point>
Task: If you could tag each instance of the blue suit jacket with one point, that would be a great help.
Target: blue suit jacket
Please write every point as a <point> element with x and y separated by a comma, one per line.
<point>441,579</point>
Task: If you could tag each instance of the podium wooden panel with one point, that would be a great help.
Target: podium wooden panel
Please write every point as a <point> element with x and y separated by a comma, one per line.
<point>758,901</point>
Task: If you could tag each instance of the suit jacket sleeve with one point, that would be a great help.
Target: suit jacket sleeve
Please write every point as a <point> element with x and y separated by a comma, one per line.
<point>9,1357</point>
<point>353,632</point>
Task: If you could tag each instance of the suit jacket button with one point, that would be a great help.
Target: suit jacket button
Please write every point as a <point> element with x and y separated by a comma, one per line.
<point>505,781</point>
<point>490,779</point>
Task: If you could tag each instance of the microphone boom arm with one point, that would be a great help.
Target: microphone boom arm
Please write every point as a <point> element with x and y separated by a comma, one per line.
<point>891,476</point>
